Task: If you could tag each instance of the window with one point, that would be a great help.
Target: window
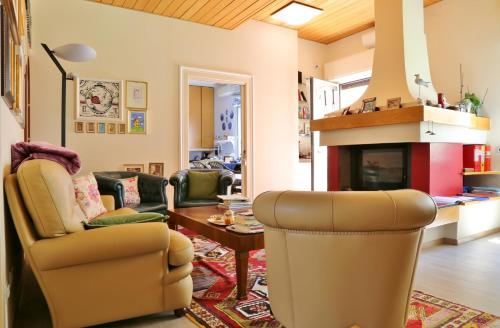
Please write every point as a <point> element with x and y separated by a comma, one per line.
<point>350,92</point>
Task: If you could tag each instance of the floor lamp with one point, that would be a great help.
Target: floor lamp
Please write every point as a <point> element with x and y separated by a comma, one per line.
<point>71,52</point>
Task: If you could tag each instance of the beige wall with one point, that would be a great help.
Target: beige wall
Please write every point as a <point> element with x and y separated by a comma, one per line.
<point>137,46</point>
<point>461,32</point>
<point>311,57</point>
<point>10,132</point>
<point>457,32</point>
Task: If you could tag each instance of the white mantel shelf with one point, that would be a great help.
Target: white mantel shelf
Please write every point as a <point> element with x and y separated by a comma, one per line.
<point>414,114</point>
<point>403,125</point>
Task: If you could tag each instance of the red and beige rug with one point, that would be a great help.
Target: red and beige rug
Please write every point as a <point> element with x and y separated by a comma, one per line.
<point>214,299</point>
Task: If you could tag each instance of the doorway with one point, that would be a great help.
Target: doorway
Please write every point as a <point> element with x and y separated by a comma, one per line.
<point>216,124</point>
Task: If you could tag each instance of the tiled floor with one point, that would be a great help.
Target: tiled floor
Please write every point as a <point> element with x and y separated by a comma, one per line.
<point>467,274</point>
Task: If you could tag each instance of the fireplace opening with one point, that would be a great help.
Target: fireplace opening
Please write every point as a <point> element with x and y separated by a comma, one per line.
<point>380,167</point>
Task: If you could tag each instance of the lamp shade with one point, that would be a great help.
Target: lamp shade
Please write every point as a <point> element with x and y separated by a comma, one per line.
<point>75,52</point>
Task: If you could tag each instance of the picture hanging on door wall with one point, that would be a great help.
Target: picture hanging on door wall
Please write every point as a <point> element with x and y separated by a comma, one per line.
<point>100,99</point>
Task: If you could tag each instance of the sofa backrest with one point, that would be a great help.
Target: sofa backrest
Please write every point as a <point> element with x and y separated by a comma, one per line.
<point>48,194</point>
<point>336,259</point>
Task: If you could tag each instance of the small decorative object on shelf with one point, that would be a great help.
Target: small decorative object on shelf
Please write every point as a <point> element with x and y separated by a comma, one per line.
<point>369,105</point>
<point>442,101</point>
<point>394,102</point>
<point>421,83</point>
<point>469,103</point>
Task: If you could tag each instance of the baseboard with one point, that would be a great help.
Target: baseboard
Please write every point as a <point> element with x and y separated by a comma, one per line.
<point>439,241</point>
<point>477,236</point>
<point>455,242</point>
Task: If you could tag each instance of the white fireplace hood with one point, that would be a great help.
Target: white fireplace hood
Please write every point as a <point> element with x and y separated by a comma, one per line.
<point>401,54</point>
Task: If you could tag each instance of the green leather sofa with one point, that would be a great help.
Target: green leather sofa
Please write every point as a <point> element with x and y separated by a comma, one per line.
<point>152,190</point>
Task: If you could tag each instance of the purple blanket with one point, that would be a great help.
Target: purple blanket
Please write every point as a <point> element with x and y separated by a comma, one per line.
<point>25,151</point>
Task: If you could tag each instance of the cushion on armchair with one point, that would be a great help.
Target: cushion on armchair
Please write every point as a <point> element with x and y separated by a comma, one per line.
<point>203,185</point>
<point>131,190</point>
<point>49,196</point>
<point>88,197</point>
<point>124,219</point>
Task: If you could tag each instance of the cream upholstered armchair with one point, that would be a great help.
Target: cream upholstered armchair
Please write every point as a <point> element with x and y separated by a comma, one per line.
<point>90,277</point>
<point>338,259</point>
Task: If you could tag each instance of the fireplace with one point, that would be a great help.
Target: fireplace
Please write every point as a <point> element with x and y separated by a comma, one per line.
<point>434,168</point>
<point>380,167</point>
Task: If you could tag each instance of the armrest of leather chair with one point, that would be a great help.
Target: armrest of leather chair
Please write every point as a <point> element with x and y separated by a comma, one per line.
<point>109,202</point>
<point>101,244</point>
<point>226,179</point>
<point>180,251</point>
<point>152,188</point>
<point>364,211</point>
<point>110,186</point>
<point>179,180</point>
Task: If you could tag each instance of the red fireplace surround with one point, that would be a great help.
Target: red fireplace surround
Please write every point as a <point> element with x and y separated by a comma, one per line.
<point>436,168</point>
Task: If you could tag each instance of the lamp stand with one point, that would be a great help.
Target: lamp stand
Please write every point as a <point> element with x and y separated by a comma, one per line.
<point>64,77</point>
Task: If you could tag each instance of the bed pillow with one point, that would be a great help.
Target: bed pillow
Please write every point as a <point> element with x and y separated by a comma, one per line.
<point>124,219</point>
<point>131,188</point>
<point>88,196</point>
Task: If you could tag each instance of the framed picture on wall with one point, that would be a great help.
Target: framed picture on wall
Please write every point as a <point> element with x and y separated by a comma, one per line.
<point>101,127</point>
<point>156,169</point>
<point>78,127</point>
<point>99,99</point>
<point>136,95</point>
<point>136,122</point>
<point>111,127</point>
<point>138,168</point>
<point>90,127</point>
<point>122,128</point>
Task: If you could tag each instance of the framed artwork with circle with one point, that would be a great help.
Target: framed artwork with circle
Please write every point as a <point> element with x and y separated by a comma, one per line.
<point>99,99</point>
<point>136,122</point>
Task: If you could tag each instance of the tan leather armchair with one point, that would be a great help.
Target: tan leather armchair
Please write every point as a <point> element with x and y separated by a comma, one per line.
<point>90,277</point>
<point>338,259</point>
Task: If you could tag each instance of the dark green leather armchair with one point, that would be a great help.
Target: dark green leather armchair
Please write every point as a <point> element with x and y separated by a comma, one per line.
<point>151,189</point>
<point>180,181</point>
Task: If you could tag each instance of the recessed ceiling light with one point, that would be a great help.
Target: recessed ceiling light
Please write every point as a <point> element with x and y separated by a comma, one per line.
<point>296,13</point>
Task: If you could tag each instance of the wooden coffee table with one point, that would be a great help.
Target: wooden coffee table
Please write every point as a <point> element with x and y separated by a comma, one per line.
<point>195,219</point>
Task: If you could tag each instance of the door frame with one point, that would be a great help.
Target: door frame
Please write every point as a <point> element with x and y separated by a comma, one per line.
<point>187,74</point>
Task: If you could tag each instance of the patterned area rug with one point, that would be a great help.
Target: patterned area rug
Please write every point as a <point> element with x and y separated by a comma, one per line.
<point>214,299</point>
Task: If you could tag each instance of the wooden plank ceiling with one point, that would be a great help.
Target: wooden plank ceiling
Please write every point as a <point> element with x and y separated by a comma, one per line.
<point>340,18</point>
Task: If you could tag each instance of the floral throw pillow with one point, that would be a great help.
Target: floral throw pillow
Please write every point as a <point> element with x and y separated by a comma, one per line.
<point>132,197</point>
<point>88,196</point>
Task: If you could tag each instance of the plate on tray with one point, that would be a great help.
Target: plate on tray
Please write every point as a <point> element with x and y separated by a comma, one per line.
<point>217,220</point>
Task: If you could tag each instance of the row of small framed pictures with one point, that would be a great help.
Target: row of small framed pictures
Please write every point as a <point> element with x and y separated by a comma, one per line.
<point>136,125</point>
<point>154,168</point>
<point>100,127</point>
